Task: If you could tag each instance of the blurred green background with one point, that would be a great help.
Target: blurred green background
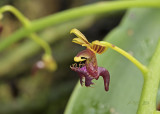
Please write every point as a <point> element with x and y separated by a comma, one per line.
<point>25,87</point>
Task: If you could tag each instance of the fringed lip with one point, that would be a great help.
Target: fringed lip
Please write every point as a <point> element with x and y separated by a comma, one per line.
<point>84,69</point>
<point>86,63</point>
<point>77,65</point>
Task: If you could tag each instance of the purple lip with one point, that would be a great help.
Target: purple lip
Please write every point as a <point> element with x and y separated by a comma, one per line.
<point>89,69</point>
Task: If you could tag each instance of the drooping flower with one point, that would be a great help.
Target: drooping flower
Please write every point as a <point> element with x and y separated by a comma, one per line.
<point>86,62</point>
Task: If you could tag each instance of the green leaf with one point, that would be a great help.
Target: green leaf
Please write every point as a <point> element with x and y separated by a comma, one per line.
<point>137,34</point>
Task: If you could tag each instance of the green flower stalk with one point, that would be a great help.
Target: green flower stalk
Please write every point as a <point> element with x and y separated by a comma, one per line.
<point>143,68</point>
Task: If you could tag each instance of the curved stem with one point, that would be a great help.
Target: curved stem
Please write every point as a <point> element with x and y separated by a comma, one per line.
<point>13,10</point>
<point>97,8</point>
<point>143,68</point>
<point>41,42</point>
<point>27,24</point>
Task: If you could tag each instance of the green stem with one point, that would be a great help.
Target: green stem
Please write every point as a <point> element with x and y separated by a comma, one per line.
<point>147,103</point>
<point>27,24</point>
<point>13,10</point>
<point>42,43</point>
<point>143,68</point>
<point>70,14</point>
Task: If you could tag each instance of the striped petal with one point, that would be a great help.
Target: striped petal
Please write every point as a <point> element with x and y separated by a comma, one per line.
<point>98,47</point>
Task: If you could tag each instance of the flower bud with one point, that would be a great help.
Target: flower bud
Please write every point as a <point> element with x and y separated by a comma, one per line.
<point>49,62</point>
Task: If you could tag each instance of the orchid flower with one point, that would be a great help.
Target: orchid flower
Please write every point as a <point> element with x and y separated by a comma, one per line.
<point>86,62</point>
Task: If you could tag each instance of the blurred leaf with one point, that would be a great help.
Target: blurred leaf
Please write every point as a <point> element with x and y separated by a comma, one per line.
<point>138,34</point>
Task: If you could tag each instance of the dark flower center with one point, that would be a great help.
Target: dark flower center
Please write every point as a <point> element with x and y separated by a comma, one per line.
<point>79,64</point>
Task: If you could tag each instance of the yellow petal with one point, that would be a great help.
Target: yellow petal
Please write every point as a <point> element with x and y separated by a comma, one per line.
<point>78,41</point>
<point>98,47</point>
<point>79,35</point>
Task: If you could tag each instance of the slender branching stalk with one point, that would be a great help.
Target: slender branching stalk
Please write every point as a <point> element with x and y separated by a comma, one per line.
<point>50,62</point>
<point>27,24</point>
<point>143,68</point>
